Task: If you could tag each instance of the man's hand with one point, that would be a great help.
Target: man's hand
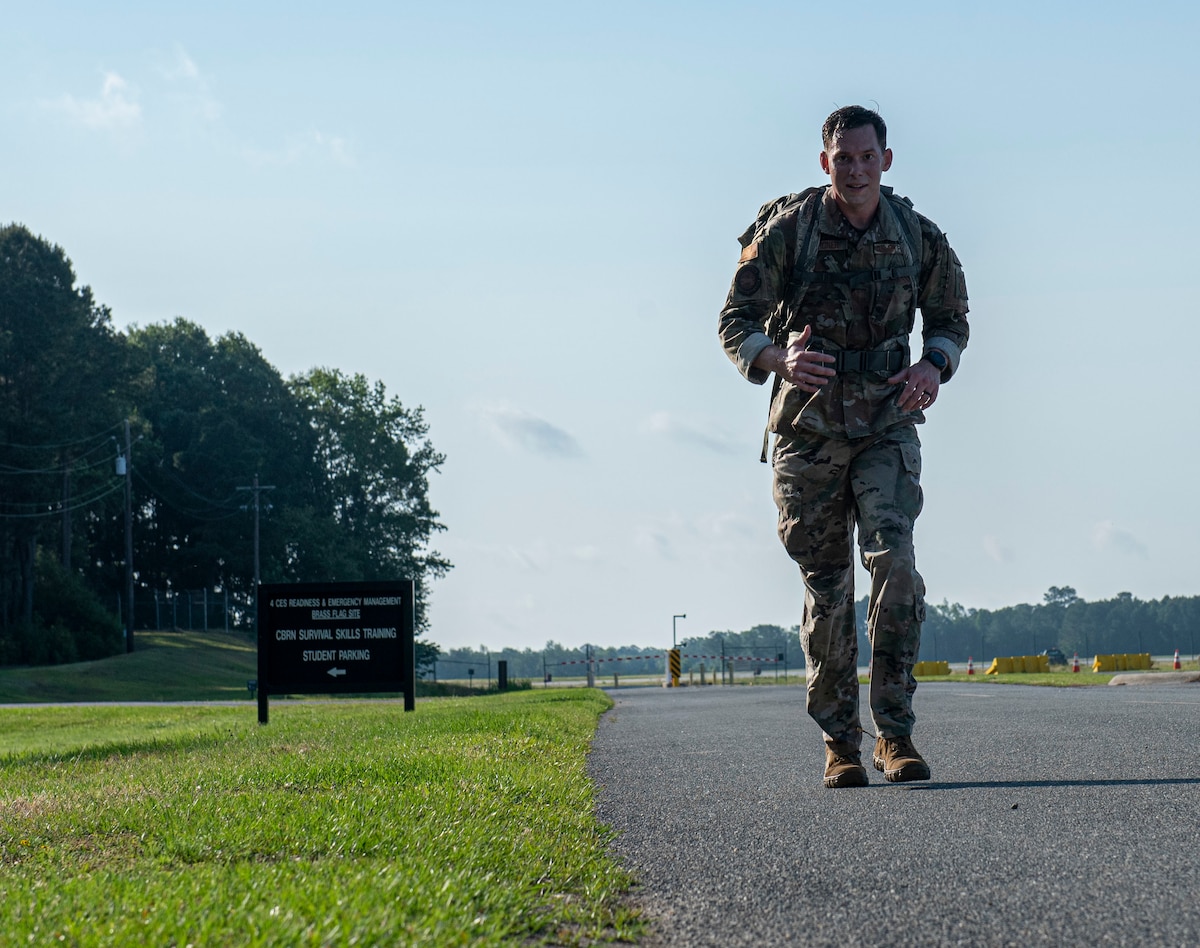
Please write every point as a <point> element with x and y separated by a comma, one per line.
<point>920,382</point>
<point>805,369</point>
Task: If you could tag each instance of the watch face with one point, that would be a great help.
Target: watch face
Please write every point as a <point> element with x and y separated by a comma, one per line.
<point>938,360</point>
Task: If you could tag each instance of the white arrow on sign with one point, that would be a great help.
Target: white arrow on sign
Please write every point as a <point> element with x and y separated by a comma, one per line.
<point>336,671</point>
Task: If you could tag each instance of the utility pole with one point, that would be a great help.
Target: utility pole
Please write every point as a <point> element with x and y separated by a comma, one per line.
<point>128,540</point>
<point>66,507</point>
<point>257,489</point>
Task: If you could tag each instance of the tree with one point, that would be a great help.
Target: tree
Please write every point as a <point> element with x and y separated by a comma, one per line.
<point>61,371</point>
<point>348,466</point>
<point>216,413</point>
<point>375,458</point>
<point>1060,596</point>
<point>426,656</point>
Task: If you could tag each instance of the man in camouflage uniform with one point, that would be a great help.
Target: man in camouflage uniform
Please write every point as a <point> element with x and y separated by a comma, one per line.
<point>824,299</point>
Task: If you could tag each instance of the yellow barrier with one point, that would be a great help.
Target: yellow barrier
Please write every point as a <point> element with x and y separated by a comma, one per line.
<point>1126,662</point>
<point>1019,664</point>
<point>931,668</point>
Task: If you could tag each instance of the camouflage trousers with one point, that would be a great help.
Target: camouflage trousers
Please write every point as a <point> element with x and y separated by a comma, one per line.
<point>824,489</point>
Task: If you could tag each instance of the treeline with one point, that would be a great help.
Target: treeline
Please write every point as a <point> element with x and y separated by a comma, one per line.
<point>211,443</point>
<point>1063,621</point>
<point>951,633</point>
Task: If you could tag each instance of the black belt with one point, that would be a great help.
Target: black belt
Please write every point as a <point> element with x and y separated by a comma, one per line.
<point>868,360</point>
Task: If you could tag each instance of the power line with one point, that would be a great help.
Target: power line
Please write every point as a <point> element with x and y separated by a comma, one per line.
<point>257,488</point>
<point>96,491</point>
<point>200,514</point>
<point>61,444</point>
<point>59,508</point>
<point>13,470</point>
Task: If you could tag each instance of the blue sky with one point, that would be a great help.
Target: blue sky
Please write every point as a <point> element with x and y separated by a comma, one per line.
<point>524,219</point>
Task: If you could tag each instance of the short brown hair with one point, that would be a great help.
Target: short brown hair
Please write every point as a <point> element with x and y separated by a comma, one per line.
<point>853,116</point>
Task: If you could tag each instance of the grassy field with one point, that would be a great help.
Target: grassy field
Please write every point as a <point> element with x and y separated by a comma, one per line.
<point>466,822</point>
<point>166,666</point>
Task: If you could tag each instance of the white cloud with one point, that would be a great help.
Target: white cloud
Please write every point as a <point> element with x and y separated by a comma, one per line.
<point>316,146</point>
<point>732,526</point>
<point>265,157</point>
<point>181,66</point>
<point>1108,536</point>
<point>706,436</point>
<point>524,560</point>
<point>335,147</point>
<point>506,556</point>
<point>116,109</point>
<point>197,97</point>
<point>997,550</point>
<point>655,542</point>
<point>525,432</point>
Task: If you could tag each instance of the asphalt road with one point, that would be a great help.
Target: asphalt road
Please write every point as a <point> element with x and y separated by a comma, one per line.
<point>1054,817</point>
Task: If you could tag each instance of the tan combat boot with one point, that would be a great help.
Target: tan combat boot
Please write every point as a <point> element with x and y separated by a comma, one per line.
<point>843,768</point>
<point>899,760</point>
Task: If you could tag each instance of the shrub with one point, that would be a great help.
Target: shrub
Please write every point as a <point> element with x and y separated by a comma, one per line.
<point>70,622</point>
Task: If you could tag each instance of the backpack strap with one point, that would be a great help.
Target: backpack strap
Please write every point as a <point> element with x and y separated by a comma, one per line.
<point>910,227</point>
<point>808,201</point>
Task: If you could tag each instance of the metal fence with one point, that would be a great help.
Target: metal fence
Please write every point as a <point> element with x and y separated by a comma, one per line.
<point>193,610</point>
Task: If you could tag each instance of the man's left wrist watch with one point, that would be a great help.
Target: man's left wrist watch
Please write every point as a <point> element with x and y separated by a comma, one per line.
<point>937,358</point>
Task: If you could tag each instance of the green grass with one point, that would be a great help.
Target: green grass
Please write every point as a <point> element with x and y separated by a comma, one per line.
<point>166,666</point>
<point>466,822</point>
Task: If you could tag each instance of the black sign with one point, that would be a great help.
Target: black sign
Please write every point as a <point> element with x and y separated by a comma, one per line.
<point>335,638</point>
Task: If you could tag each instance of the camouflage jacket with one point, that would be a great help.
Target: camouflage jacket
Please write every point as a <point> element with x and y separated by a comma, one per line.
<point>803,264</point>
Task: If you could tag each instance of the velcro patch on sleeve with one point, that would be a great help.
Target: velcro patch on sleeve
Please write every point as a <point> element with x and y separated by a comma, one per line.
<point>749,253</point>
<point>748,280</point>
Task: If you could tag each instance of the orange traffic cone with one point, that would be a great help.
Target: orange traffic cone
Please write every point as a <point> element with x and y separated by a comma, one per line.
<point>1177,665</point>
<point>1075,663</point>
<point>970,666</point>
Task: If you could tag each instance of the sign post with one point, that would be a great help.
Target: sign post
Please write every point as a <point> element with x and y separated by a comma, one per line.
<point>336,638</point>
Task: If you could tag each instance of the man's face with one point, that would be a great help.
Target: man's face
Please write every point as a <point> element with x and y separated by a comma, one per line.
<point>855,163</point>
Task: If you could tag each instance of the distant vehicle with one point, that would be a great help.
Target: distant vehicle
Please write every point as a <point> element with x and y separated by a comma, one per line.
<point>1055,656</point>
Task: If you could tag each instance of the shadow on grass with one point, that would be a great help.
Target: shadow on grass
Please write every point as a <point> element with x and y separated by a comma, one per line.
<point>136,748</point>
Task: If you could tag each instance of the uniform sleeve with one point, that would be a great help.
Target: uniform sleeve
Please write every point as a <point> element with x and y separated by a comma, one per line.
<point>942,298</point>
<point>754,297</point>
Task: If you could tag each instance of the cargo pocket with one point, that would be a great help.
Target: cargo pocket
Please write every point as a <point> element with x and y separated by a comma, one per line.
<point>913,496</point>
